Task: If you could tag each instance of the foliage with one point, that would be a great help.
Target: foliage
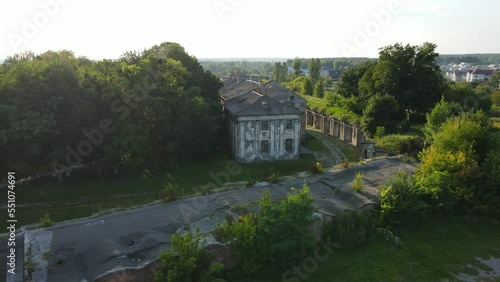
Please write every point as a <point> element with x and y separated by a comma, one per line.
<point>381,111</point>
<point>357,183</point>
<point>283,233</point>
<point>206,189</point>
<point>45,221</point>
<point>452,168</point>
<point>307,88</point>
<point>146,108</point>
<point>379,132</point>
<point>319,90</point>
<point>399,200</point>
<point>297,65</point>
<point>243,244</point>
<point>183,260</point>
<point>168,193</point>
<point>314,68</point>
<point>439,114</point>
<point>280,71</point>
<point>411,146</point>
<point>317,168</point>
<point>251,182</point>
<point>351,228</point>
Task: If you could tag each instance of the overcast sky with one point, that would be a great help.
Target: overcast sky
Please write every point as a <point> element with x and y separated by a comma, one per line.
<point>248,28</point>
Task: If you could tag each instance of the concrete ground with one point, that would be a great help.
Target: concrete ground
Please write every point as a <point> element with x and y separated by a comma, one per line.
<point>83,250</point>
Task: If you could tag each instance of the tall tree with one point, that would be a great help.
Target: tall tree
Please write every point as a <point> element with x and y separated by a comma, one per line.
<point>296,65</point>
<point>314,68</point>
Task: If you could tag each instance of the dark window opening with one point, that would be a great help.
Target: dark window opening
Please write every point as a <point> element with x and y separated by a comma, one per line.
<point>264,146</point>
<point>265,125</point>
<point>289,124</point>
<point>289,145</point>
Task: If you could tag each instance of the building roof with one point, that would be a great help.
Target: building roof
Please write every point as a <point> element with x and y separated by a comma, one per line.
<point>234,88</point>
<point>279,92</point>
<point>482,71</point>
<point>255,104</point>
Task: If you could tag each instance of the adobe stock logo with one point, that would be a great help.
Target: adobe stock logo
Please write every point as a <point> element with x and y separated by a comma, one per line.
<point>224,6</point>
<point>363,37</point>
<point>30,27</point>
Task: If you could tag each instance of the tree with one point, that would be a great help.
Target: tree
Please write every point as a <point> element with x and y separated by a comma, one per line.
<point>441,112</point>
<point>283,233</point>
<point>297,65</point>
<point>411,75</point>
<point>185,260</point>
<point>307,88</point>
<point>382,110</point>
<point>319,90</point>
<point>280,71</point>
<point>314,68</point>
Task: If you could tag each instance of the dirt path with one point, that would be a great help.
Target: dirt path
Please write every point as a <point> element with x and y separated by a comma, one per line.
<point>337,154</point>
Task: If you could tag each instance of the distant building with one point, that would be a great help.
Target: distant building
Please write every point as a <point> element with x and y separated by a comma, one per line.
<point>479,75</point>
<point>457,76</point>
<point>266,121</point>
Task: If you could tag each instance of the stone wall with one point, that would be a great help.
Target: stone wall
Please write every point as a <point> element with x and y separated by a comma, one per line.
<point>336,128</point>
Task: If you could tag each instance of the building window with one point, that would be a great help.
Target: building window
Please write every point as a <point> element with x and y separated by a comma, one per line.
<point>289,124</point>
<point>264,146</point>
<point>265,125</point>
<point>289,145</point>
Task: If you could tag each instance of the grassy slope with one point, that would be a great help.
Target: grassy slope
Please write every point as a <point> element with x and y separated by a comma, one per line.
<point>321,105</point>
<point>431,252</point>
<point>74,198</point>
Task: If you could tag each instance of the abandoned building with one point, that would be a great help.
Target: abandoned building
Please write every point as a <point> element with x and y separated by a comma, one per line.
<point>266,121</point>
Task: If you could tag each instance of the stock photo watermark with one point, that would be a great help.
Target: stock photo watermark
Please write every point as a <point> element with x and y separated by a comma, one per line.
<point>364,36</point>
<point>31,26</point>
<point>222,7</point>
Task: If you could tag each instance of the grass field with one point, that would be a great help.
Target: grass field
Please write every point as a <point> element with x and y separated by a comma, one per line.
<point>77,197</point>
<point>431,252</point>
<point>314,144</point>
<point>391,142</point>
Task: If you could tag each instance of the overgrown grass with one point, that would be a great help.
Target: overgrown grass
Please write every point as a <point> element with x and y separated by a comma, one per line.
<point>321,105</point>
<point>80,197</point>
<point>431,252</point>
<point>391,142</point>
<point>314,144</point>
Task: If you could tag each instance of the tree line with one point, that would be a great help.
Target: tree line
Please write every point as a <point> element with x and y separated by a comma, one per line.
<point>147,109</point>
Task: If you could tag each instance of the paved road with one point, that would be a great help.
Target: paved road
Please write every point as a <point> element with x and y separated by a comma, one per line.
<point>92,247</point>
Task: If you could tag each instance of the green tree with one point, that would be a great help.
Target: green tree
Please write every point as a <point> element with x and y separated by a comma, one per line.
<point>319,90</point>
<point>283,233</point>
<point>381,111</point>
<point>314,67</point>
<point>411,75</point>
<point>439,114</point>
<point>182,262</point>
<point>307,88</point>
<point>297,65</point>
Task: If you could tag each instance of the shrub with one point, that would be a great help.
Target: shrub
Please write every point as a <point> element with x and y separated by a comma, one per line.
<point>345,164</point>
<point>357,183</point>
<point>351,228</point>
<point>186,261</point>
<point>272,178</point>
<point>411,146</point>
<point>168,193</point>
<point>399,200</point>
<point>239,209</point>
<point>206,189</point>
<point>317,168</point>
<point>45,221</point>
<point>251,182</point>
<point>379,132</point>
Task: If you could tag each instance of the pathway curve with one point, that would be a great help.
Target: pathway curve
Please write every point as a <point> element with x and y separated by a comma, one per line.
<point>337,154</point>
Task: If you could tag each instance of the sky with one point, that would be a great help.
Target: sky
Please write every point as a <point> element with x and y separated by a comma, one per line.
<point>106,29</point>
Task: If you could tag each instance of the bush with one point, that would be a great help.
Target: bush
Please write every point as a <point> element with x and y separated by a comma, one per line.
<point>351,228</point>
<point>345,164</point>
<point>186,261</point>
<point>357,183</point>
<point>168,193</point>
<point>411,146</point>
<point>251,182</point>
<point>399,200</point>
<point>380,132</point>
<point>317,168</point>
<point>206,189</point>
<point>45,221</point>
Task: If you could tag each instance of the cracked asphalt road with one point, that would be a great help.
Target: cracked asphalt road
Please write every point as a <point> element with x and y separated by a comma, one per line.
<point>132,238</point>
